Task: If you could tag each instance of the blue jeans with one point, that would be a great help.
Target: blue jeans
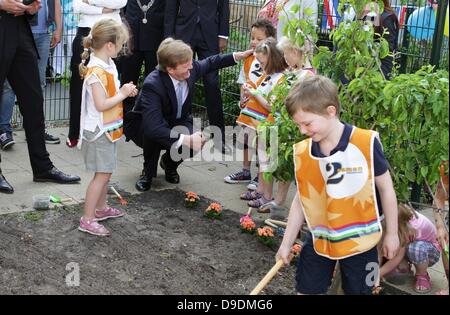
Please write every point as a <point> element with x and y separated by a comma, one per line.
<point>43,47</point>
<point>7,100</point>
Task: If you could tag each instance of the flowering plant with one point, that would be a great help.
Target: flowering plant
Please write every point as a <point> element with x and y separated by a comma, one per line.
<point>191,199</point>
<point>266,235</point>
<point>247,224</point>
<point>214,211</point>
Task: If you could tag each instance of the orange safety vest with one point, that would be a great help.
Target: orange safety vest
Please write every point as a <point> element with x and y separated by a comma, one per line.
<point>252,71</point>
<point>338,196</point>
<point>254,113</point>
<point>112,119</point>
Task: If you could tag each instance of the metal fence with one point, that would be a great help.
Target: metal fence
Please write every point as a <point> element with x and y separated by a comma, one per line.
<point>421,41</point>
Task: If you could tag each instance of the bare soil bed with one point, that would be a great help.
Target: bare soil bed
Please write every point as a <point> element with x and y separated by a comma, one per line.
<point>159,247</point>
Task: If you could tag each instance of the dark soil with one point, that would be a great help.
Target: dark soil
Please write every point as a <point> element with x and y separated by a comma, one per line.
<point>159,247</point>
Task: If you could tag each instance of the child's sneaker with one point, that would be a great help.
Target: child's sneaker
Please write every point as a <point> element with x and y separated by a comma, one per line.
<point>108,213</point>
<point>92,227</point>
<point>6,141</point>
<point>238,177</point>
<point>253,184</point>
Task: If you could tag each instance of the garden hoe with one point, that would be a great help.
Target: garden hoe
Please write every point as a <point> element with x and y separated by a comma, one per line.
<point>262,284</point>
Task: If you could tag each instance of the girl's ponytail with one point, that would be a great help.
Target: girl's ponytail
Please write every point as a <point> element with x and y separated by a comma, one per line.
<point>87,44</point>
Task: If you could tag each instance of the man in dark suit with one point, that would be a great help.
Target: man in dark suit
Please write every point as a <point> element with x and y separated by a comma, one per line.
<point>146,21</point>
<point>165,102</point>
<point>203,24</point>
<point>18,64</point>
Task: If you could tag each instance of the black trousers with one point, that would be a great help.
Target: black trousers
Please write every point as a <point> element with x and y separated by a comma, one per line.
<point>130,70</point>
<point>18,64</point>
<point>76,83</point>
<point>152,151</point>
<point>213,95</point>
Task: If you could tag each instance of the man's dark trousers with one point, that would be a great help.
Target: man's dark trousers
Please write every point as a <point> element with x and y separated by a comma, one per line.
<point>18,64</point>
<point>213,95</point>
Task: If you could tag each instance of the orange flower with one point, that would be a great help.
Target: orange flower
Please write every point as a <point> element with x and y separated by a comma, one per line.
<point>192,195</point>
<point>216,207</point>
<point>247,223</point>
<point>265,231</point>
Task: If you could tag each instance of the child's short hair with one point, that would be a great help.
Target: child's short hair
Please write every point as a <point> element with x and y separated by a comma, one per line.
<point>276,62</point>
<point>267,26</point>
<point>173,52</point>
<point>314,95</point>
<point>103,32</point>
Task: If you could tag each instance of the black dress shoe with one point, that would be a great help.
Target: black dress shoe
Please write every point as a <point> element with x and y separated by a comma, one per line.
<point>5,187</point>
<point>144,183</point>
<point>171,174</point>
<point>56,176</point>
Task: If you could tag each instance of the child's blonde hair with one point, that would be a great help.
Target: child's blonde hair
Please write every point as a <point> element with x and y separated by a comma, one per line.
<point>405,230</point>
<point>276,62</point>
<point>314,95</point>
<point>173,52</point>
<point>103,32</point>
<point>305,52</point>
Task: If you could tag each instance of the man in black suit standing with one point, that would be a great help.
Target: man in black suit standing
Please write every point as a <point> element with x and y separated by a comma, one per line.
<point>18,64</point>
<point>203,24</point>
<point>146,21</point>
<point>165,102</point>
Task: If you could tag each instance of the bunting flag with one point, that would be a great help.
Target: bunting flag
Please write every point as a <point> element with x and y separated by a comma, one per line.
<point>401,14</point>
<point>330,17</point>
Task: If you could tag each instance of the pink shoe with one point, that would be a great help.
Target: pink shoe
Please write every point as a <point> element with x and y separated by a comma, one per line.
<point>71,143</point>
<point>92,227</point>
<point>108,213</point>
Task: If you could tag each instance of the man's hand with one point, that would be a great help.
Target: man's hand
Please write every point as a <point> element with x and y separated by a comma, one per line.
<point>223,43</point>
<point>243,55</point>
<point>107,10</point>
<point>391,245</point>
<point>56,38</point>
<point>15,7</point>
<point>33,8</point>
<point>195,141</point>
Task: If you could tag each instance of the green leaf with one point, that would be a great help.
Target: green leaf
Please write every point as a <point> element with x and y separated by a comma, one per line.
<point>424,171</point>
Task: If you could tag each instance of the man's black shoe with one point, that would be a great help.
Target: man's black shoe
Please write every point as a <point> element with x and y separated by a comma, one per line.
<point>5,187</point>
<point>56,176</point>
<point>144,183</point>
<point>171,174</point>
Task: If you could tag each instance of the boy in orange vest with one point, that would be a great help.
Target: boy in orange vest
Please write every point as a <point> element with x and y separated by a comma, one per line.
<point>341,175</point>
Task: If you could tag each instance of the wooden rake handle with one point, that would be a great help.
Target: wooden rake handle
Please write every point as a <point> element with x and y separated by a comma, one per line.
<point>262,284</point>
<point>116,192</point>
<point>278,223</point>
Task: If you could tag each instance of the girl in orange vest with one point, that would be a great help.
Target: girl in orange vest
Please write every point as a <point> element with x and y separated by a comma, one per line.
<point>257,109</point>
<point>250,73</point>
<point>101,119</point>
<point>298,61</point>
